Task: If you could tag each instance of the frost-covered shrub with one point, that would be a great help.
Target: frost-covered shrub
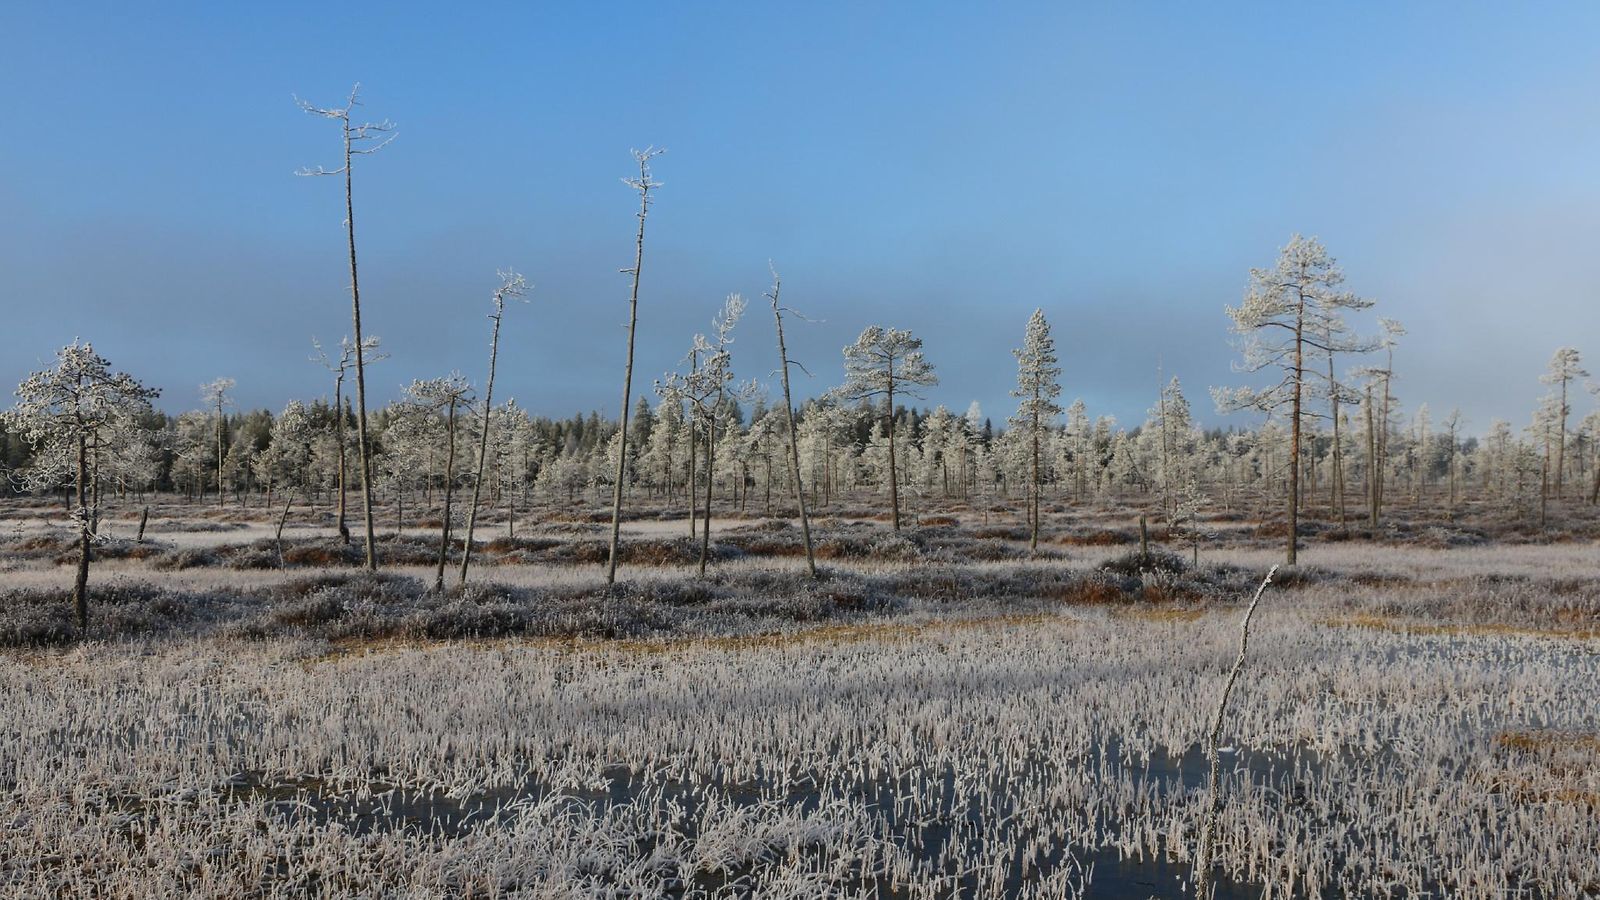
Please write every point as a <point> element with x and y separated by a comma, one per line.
<point>1135,563</point>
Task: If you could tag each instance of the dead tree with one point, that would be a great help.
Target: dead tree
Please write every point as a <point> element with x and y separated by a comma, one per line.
<point>1208,827</point>
<point>644,184</point>
<point>359,140</point>
<point>511,285</point>
<point>788,411</point>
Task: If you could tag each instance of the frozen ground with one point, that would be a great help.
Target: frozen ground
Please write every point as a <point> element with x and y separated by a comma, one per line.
<point>1414,721</point>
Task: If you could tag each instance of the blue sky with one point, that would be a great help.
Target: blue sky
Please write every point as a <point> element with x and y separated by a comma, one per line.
<point>942,168</point>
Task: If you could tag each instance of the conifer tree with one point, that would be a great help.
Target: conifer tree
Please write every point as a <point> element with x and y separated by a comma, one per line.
<point>1038,386</point>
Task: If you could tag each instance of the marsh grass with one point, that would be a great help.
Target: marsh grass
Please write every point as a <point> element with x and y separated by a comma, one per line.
<point>936,716</point>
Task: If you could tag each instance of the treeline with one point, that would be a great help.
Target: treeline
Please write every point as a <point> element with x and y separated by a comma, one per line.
<point>1167,458</point>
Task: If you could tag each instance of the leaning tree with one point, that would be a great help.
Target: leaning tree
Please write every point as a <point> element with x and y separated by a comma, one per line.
<point>512,285</point>
<point>644,184</point>
<point>884,362</point>
<point>61,412</point>
<point>788,411</point>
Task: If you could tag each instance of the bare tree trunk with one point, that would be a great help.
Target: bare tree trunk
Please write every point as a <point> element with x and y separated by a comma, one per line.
<point>363,440</point>
<point>1383,441</point>
<point>1294,436</point>
<point>80,586</point>
<point>278,538</point>
<point>1202,867</point>
<point>627,375</point>
<point>1594,491</point>
<point>483,437</point>
<point>693,487</point>
<point>222,428</point>
<point>1336,481</point>
<point>1561,439</point>
<point>1373,470</point>
<point>449,479</point>
<point>1033,512</point>
<point>705,534</point>
<point>894,481</point>
<point>794,438</point>
<point>338,403</point>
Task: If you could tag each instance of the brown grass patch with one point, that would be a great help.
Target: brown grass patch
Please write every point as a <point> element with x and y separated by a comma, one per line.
<point>1100,538</point>
<point>1546,739</point>
<point>887,632</point>
<point>1401,626</point>
<point>1162,613</point>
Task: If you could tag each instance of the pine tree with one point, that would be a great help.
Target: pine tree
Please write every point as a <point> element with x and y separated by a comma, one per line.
<point>1282,319</point>
<point>884,362</point>
<point>1038,386</point>
<point>61,412</point>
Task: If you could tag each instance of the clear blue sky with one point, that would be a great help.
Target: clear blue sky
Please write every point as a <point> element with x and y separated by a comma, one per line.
<point>939,167</point>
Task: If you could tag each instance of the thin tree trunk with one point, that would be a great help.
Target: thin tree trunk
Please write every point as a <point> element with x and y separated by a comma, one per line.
<point>449,478</point>
<point>894,482</point>
<point>627,382</point>
<point>363,440</point>
<point>222,428</point>
<point>1294,437</point>
<point>1208,827</point>
<point>483,438</point>
<point>705,538</point>
<point>1033,524</point>
<point>338,403</point>
<point>794,438</point>
<point>1336,482</point>
<point>1561,439</point>
<point>80,586</point>
<point>278,538</point>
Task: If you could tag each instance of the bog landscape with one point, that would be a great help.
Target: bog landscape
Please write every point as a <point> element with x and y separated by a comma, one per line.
<point>783,624</point>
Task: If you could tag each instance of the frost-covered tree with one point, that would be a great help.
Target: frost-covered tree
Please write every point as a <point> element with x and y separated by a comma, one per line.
<point>345,363</point>
<point>704,388</point>
<point>1565,368</point>
<point>1171,426</point>
<point>214,395</point>
<point>512,286</point>
<point>1038,386</point>
<point>662,456</point>
<point>884,362</point>
<point>1281,320</point>
<point>1452,427</point>
<point>1334,338</point>
<point>431,397</point>
<point>359,140</point>
<point>644,184</point>
<point>288,456</point>
<point>1379,410</point>
<point>60,413</point>
<point>1544,430</point>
